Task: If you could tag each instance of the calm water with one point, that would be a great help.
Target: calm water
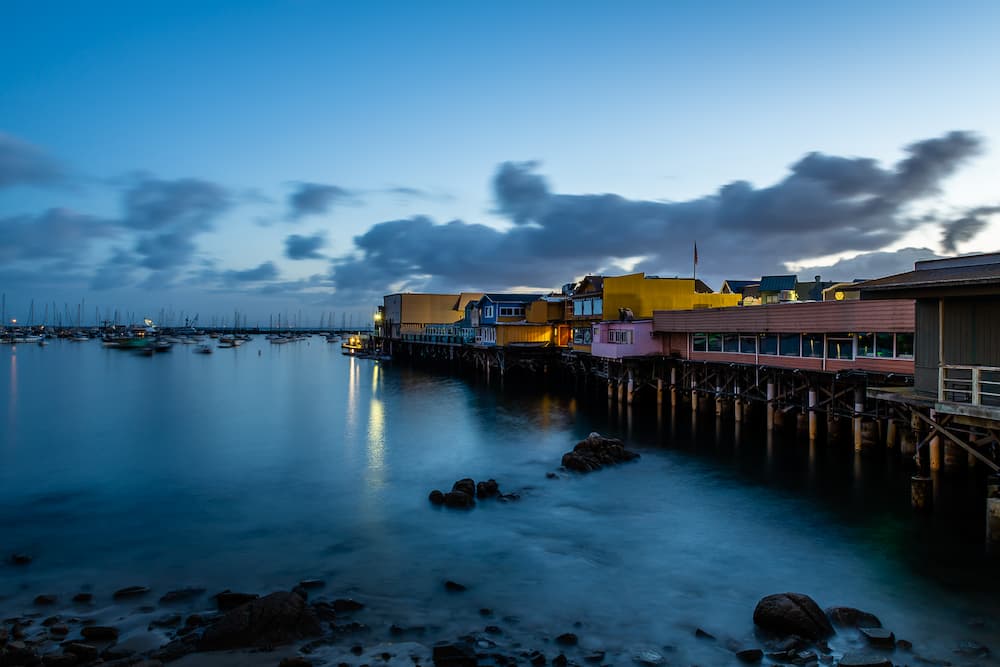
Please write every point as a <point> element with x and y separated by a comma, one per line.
<point>252,468</point>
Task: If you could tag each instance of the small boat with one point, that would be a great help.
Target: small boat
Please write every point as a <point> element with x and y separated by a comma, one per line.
<point>203,349</point>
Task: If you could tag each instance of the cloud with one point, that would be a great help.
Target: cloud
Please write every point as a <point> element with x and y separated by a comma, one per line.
<point>315,199</point>
<point>965,227</point>
<point>57,233</point>
<point>24,164</point>
<point>825,205</point>
<point>304,247</point>
<point>263,272</point>
<point>869,265</point>
<point>168,215</point>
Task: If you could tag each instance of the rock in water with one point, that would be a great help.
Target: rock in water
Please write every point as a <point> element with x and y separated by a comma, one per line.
<point>466,486</point>
<point>453,655</point>
<point>792,614</point>
<point>849,617</point>
<point>227,599</point>
<point>879,637</point>
<point>595,452</point>
<point>130,592</point>
<point>278,618</point>
<point>459,499</point>
<point>864,660</point>
<point>436,497</point>
<point>487,489</point>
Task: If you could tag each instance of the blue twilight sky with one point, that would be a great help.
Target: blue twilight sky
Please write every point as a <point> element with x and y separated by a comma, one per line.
<point>308,157</point>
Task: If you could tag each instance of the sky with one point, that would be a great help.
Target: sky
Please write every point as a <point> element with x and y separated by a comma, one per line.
<point>301,159</point>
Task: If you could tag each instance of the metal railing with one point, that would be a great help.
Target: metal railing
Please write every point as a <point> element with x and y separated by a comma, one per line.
<point>971,385</point>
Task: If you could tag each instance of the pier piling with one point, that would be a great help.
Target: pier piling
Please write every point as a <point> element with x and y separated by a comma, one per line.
<point>921,492</point>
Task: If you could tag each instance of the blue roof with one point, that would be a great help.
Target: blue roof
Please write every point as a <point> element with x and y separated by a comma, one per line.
<point>512,298</point>
<point>777,283</point>
<point>737,286</point>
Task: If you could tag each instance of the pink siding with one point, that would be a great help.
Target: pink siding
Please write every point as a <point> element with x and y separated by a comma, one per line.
<point>891,315</point>
<point>643,342</point>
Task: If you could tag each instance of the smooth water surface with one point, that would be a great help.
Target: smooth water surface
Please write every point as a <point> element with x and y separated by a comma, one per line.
<point>252,468</point>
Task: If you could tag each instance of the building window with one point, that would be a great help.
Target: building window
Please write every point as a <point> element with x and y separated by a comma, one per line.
<point>730,343</point>
<point>511,311</point>
<point>578,307</point>
<point>748,344</point>
<point>885,345</point>
<point>620,336</point>
<point>904,346</point>
<point>790,345</point>
<point>769,344</point>
<point>866,345</point>
<point>715,342</point>
<point>488,311</point>
<point>598,306</point>
<point>700,342</point>
<point>488,335</point>
<point>812,345</point>
<point>839,346</point>
<point>582,336</point>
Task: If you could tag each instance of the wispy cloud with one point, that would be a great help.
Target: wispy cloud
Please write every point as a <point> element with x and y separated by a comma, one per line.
<point>304,247</point>
<point>315,199</point>
<point>24,164</point>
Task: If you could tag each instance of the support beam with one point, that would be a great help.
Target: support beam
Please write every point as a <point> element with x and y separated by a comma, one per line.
<point>940,430</point>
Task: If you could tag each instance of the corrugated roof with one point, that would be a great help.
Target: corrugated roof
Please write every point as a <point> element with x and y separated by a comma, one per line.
<point>777,283</point>
<point>512,298</point>
<point>737,286</point>
<point>953,276</point>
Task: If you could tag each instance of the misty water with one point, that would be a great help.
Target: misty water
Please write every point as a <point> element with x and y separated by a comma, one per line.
<point>256,467</point>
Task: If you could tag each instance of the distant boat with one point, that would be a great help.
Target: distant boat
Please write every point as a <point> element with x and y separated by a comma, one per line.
<point>203,349</point>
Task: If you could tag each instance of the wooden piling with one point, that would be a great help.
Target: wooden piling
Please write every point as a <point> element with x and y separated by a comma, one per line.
<point>813,417</point>
<point>770,406</point>
<point>921,492</point>
<point>890,435</point>
<point>859,409</point>
<point>659,391</point>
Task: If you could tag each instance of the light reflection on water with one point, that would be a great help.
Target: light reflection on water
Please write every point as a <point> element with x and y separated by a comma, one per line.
<point>252,471</point>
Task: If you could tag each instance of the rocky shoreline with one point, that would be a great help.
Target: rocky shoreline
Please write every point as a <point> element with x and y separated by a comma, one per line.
<point>304,626</point>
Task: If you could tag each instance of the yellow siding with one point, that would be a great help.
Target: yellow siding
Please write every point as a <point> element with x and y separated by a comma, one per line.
<point>644,296</point>
<point>541,312</point>
<point>523,333</point>
<point>430,309</point>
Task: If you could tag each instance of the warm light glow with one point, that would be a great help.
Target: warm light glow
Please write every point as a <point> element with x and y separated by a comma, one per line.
<point>838,295</point>
<point>378,317</point>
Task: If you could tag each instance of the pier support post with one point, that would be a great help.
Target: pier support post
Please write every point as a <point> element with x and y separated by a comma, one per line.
<point>954,456</point>
<point>770,406</point>
<point>890,434</point>
<point>673,385</point>
<point>813,417</point>
<point>718,401</point>
<point>934,450</point>
<point>921,492</point>
<point>659,391</point>
<point>621,391</point>
<point>694,396</point>
<point>631,388</point>
<point>611,389</point>
<point>859,409</point>
<point>993,513</point>
<point>738,410</point>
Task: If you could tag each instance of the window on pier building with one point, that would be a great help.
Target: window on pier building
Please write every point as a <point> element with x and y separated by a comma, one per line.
<point>812,345</point>
<point>839,346</point>
<point>700,342</point>
<point>748,344</point>
<point>904,346</point>
<point>866,344</point>
<point>511,311</point>
<point>790,345</point>
<point>620,336</point>
<point>582,336</point>
<point>885,345</point>
<point>488,311</point>
<point>598,306</point>
<point>715,342</point>
<point>769,344</point>
<point>730,343</point>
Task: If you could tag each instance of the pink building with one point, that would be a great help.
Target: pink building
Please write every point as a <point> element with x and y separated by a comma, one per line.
<point>616,340</point>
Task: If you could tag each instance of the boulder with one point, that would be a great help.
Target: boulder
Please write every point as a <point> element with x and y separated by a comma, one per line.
<point>101,633</point>
<point>459,500</point>
<point>453,655</point>
<point>453,586</point>
<point>83,598</point>
<point>181,595</point>
<point>45,600</point>
<point>342,605</point>
<point>567,639</point>
<point>130,592</point>
<point>84,652</point>
<point>487,489</point>
<point>436,497</point>
<point>864,660</point>
<point>278,618</point>
<point>750,655</point>
<point>879,637</point>
<point>227,599</point>
<point>295,661</point>
<point>466,486</point>
<point>595,452</point>
<point>792,614</point>
<point>20,559</point>
<point>849,617</point>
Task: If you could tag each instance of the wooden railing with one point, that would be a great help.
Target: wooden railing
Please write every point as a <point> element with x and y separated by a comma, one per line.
<point>971,385</point>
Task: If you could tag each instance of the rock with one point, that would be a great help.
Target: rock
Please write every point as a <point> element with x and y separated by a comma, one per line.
<point>101,633</point>
<point>295,661</point>
<point>487,489</point>
<point>703,634</point>
<point>596,656</point>
<point>552,475</point>
<point>181,595</point>
<point>59,660</point>
<point>302,592</point>
<point>792,614</point>
<point>357,649</point>
<point>117,652</point>
<point>492,630</point>
<point>879,637</point>
<point>83,598</point>
<point>466,486</point>
<point>228,600</point>
<point>750,655</point>
<point>50,621</point>
<point>596,452</point>
<point>972,648</point>
<point>342,605</point>
<point>60,630</point>
<point>18,653</point>
<point>904,644</point>
<point>84,652</point>
<point>278,618</point>
<point>20,559</point>
<point>175,650</point>
<point>453,655</point>
<point>453,586</point>
<point>649,657</point>
<point>567,639</point>
<point>849,617</point>
<point>560,661</point>
<point>536,658</point>
<point>459,500</point>
<point>168,621</point>
<point>45,600</point>
<point>311,584</point>
<point>130,592</point>
<point>863,660</point>
<point>485,611</point>
<point>436,497</point>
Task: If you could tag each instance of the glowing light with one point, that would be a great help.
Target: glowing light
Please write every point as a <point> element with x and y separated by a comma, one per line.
<point>838,295</point>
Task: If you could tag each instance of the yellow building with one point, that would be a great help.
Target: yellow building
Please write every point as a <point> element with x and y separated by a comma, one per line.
<point>642,295</point>
<point>409,313</point>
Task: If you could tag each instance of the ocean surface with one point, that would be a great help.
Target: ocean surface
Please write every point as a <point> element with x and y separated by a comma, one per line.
<point>255,467</point>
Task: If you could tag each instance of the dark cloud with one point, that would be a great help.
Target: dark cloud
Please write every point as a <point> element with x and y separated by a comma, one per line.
<point>24,164</point>
<point>869,265</point>
<point>266,271</point>
<point>167,216</point>
<point>315,199</point>
<point>304,247</point>
<point>825,205</point>
<point>57,233</point>
<point>965,227</point>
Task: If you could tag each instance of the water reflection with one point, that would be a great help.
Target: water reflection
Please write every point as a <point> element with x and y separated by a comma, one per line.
<point>12,401</point>
<point>376,442</point>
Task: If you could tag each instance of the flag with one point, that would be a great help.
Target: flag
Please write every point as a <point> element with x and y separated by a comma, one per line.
<point>696,252</point>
